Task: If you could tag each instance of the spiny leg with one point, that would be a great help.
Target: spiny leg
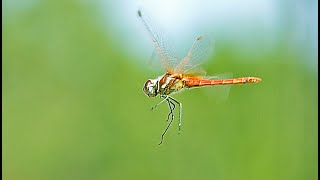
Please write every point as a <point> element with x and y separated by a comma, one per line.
<point>165,131</point>
<point>180,111</point>
<point>165,98</point>
<point>172,106</point>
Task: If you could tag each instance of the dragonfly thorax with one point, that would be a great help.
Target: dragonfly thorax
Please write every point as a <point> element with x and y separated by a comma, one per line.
<point>150,87</point>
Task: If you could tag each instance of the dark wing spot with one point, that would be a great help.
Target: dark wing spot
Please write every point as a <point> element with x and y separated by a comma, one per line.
<point>139,13</point>
<point>199,38</point>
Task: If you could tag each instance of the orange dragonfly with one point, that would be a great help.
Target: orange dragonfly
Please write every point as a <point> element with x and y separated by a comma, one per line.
<point>183,74</point>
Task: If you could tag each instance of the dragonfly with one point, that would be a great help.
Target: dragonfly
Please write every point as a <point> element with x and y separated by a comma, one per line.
<point>181,74</point>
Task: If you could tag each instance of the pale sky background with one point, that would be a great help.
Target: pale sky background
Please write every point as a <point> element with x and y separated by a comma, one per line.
<point>247,24</point>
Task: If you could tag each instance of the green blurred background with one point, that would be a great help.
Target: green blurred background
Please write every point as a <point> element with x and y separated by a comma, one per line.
<point>73,106</point>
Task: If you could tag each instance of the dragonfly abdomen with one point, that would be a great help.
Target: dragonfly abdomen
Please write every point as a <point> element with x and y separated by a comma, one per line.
<point>209,82</point>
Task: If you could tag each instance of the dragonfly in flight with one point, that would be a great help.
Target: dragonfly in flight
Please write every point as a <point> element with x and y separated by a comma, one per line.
<point>183,74</point>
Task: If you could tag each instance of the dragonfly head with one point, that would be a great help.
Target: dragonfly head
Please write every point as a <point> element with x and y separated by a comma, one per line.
<point>150,87</point>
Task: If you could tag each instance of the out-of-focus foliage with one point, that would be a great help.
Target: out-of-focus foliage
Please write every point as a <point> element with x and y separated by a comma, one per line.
<point>73,108</point>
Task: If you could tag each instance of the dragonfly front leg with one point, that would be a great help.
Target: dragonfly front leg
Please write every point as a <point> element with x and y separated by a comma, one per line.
<point>165,98</point>
<point>180,111</point>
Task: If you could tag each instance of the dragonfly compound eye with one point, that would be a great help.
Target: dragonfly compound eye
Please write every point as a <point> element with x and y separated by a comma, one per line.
<point>150,88</point>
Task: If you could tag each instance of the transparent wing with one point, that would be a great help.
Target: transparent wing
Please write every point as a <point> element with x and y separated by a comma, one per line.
<point>195,72</point>
<point>164,49</point>
<point>219,94</point>
<point>199,53</point>
<point>227,75</point>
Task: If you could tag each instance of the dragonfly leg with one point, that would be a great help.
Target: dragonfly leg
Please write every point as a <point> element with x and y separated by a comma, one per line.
<point>180,111</point>
<point>165,98</point>
<point>172,106</point>
<point>171,112</point>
